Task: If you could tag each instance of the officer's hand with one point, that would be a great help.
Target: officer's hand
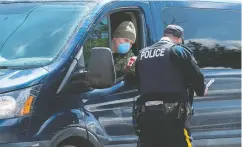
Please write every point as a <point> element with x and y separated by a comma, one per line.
<point>206,91</point>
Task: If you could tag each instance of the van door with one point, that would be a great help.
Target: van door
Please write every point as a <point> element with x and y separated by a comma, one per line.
<point>212,31</point>
<point>156,7</point>
<point>110,110</point>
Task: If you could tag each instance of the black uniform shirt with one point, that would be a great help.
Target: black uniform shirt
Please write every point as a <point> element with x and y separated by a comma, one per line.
<point>183,59</point>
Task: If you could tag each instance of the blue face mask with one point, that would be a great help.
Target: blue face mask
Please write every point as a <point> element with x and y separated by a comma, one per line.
<point>123,48</point>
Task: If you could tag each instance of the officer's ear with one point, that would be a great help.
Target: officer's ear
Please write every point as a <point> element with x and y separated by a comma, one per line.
<point>180,40</point>
<point>183,42</point>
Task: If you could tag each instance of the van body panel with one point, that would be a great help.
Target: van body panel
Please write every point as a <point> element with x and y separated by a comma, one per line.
<point>56,123</point>
<point>225,5</point>
<point>11,80</point>
<point>14,129</point>
<point>218,115</point>
<point>104,116</point>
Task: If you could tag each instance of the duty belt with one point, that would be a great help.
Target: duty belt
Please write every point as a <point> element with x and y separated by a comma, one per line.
<point>168,109</point>
<point>176,110</point>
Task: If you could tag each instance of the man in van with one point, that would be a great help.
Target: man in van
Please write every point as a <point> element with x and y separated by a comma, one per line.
<point>124,37</point>
<point>164,73</point>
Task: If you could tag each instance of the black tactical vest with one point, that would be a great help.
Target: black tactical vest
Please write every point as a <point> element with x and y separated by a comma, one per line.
<point>156,72</point>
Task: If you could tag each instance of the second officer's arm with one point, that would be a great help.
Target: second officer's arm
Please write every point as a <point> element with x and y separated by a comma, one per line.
<point>184,60</point>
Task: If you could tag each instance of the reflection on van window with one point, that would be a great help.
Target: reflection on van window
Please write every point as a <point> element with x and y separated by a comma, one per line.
<point>98,37</point>
<point>213,35</point>
<point>34,33</point>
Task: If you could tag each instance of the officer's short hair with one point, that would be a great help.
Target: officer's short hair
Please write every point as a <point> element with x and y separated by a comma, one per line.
<point>174,30</point>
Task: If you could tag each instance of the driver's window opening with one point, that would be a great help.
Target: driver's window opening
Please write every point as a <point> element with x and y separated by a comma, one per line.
<point>133,16</point>
<point>99,35</point>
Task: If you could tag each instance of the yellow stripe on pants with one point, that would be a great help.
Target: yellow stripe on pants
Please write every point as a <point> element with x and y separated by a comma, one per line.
<point>187,138</point>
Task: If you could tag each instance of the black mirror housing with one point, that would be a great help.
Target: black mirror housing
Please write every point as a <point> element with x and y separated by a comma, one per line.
<point>101,71</point>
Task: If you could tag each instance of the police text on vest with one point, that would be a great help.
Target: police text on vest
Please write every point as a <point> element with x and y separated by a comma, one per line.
<point>152,53</point>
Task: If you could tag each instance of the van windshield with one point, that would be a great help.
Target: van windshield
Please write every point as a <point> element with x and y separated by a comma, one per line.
<point>32,34</point>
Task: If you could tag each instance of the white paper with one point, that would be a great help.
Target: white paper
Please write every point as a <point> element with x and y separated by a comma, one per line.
<point>210,83</point>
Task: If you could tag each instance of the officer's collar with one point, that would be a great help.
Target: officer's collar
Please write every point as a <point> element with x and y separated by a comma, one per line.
<point>165,39</point>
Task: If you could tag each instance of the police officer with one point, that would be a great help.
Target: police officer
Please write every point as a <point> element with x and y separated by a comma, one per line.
<point>164,73</point>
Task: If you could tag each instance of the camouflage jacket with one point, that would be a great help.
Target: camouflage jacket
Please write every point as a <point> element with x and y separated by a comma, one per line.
<point>121,61</point>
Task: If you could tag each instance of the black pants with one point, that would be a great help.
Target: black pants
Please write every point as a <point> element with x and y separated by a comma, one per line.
<point>156,131</point>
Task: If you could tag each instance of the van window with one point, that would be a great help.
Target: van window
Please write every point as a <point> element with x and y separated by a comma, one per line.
<point>213,35</point>
<point>98,37</point>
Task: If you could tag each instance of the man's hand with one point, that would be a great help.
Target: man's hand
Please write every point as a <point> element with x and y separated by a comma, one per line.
<point>131,62</point>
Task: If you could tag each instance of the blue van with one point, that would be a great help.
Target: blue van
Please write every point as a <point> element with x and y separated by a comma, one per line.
<point>49,97</point>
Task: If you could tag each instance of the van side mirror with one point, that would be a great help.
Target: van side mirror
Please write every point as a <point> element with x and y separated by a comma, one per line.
<point>101,71</point>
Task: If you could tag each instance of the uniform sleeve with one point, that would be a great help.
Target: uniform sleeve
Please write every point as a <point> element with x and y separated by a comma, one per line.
<point>183,58</point>
<point>121,65</point>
